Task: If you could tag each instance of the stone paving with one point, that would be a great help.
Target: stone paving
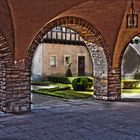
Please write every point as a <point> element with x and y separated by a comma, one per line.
<point>57,119</point>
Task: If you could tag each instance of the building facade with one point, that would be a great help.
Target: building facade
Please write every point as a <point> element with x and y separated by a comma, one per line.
<point>70,51</point>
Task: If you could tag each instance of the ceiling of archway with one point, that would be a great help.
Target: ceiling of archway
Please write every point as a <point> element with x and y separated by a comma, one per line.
<point>30,16</point>
<point>106,16</point>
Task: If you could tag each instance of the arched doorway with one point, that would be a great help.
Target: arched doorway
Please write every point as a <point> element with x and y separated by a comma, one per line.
<point>97,47</point>
<point>130,69</point>
<point>59,48</point>
<point>61,57</point>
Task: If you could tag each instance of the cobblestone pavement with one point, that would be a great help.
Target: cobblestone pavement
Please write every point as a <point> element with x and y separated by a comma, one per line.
<point>57,119</point>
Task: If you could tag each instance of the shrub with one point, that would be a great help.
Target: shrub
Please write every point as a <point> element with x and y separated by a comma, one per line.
<point>137,75</point>
<point>62,79</point>
<point>68,73</point>
<point>90,83</point>
<point>58,88</point>
<point>82,83</point>
<point>131,84</point>
<point>40,83</point>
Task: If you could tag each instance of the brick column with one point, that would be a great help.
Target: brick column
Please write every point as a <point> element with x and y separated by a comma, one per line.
<point>100,88</point>
<point>114,84</point>
<point>15,96</point>
<point>100,72</point>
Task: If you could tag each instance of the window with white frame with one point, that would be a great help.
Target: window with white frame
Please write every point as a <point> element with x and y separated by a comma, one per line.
<point>53,61</point>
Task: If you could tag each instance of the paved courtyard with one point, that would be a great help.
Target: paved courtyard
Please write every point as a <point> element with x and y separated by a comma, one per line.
<point>56,119</point>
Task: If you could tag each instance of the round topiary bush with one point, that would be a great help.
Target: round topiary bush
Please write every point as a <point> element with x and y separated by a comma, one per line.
<point>82,83</point>
<point>90,82</point>
<point>131,84</point>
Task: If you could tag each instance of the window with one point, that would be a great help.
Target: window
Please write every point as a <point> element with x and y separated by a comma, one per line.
<point>54,35</point>
<point>68,30</point>
<point>63,29</point>
<point>73,37</point>
<point>53,61</point>
<point>57,29</point>
<point>136,41</point>
<point>77,37</point>
<point>67,60</point>
<point>68,36</point>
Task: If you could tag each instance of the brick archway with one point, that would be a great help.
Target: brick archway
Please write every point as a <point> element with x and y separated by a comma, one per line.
<point>86,30</point>
<point>120,58</point>
<point>124,49</point>
<point>98,45</point>
<point>115,71</point>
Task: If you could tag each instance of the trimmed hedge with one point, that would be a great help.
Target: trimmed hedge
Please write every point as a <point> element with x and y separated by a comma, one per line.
<point>64,87</point>
<point>90,82</point>
<point>63,80</point>
<point>64,91</point>
<point>130,84</point>
<point>137,75</point>
<point>82,83</point>
<point>40,83</point>
<point>58,88</point>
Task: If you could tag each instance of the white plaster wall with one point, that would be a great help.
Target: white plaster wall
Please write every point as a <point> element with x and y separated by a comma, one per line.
<point>37,61</point>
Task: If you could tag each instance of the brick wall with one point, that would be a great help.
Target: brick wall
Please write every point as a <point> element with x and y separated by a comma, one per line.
<point>114,84</point>
<point>15,90</point>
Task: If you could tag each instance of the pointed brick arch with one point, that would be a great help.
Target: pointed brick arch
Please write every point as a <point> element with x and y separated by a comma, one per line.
<point>102,59</point>
<point>86,30</point>
<point>124,49</point>
<point>119,70</point>
<point>6,58</point>
<point>115,71</point>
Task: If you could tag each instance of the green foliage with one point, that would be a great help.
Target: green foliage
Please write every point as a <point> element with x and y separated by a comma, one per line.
<point>60,87</point>
<point>130,84</point>
<point>82,83</point>
<point>137,75</point>
<point>65,91</point>
<point>131,91</point>
<point>40,83</point>
<point>56,79</point>
<point>90,82</point>
<point>57,88</point>
<point>68,73</point>
<point>67,94</point>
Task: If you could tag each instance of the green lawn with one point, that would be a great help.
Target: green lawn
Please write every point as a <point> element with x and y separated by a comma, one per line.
<point>71,94</point>
<point>124,91</point>
<point>67,94</point>
<point>66,91</point>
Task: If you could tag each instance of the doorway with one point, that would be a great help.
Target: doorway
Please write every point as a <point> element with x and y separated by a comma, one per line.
<point>81,65</point>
